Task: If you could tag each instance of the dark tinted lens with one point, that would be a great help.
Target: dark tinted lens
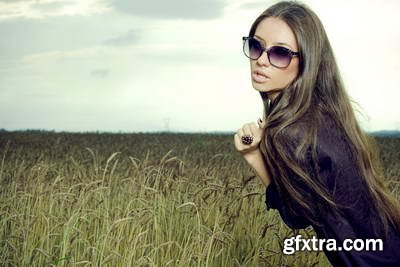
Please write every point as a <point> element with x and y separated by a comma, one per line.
<point>252,48</point>
<point>279,56</point>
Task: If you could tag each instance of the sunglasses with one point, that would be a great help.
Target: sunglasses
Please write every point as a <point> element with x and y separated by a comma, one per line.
<point>278,56</point>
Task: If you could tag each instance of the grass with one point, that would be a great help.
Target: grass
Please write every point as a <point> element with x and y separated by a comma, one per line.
<point>141,200</point>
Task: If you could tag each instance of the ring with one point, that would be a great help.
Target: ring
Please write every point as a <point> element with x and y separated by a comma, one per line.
<point>247,139</point>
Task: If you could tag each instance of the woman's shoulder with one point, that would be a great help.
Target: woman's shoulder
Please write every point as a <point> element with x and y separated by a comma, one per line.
<point>322,133</point>
<point>332,139</point>
<point>323,122</point>
<point>322,126</point>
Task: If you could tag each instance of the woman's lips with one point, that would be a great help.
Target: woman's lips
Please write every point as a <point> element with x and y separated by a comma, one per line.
<point>259,78</point>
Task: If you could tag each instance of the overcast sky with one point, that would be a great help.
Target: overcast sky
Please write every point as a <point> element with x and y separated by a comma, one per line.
<point>130,66</point>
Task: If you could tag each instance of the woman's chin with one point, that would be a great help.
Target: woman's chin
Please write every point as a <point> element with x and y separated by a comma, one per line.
<point>259,88</point>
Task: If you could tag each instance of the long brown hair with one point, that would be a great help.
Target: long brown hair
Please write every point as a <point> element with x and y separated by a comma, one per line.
<point>317,89</point>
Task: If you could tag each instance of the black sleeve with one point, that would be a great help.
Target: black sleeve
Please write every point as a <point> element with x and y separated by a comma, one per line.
<point>273,201</point>
<point>327,174</point>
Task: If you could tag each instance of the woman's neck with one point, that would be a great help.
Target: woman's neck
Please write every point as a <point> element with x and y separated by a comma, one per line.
<point>273,95</point>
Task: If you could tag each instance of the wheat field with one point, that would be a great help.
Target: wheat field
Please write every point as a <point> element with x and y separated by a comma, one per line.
<point>159,199</point>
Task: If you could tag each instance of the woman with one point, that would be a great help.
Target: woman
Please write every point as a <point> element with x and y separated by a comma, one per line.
<point>310,153</point>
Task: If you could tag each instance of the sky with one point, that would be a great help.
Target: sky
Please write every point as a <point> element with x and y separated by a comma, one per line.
<point>146,66</point>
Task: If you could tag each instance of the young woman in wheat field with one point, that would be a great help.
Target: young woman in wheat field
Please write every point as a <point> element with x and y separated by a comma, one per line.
<point>318,167</point>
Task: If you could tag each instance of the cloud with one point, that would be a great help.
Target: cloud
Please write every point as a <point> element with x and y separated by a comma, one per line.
<point>62,55</point>
<point>173,9</point>
<point>11,9</point>
<point>127,38</point>
<point>50,7</point>
<point>13,1</point>
<point>256,5</point>
<point>27,36</point>
<point>100,72</point>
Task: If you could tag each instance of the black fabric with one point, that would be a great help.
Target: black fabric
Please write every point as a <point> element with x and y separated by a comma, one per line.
<point>338,173</point>
<point>273,201</point>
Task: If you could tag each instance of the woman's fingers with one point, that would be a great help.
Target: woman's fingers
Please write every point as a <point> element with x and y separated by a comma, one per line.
<point>254,129</point>
<point>237,140</point>
<point>247,129</point>
<point>240,132</point>
<point>261,123</point>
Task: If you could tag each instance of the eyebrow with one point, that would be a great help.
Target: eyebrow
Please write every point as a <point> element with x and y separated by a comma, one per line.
<point>279,43</point>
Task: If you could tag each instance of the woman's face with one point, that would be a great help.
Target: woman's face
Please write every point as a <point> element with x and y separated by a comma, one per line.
<point>273,31</point>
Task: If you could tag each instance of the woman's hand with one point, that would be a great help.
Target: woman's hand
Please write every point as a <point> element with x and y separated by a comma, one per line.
<point>254,129</point>
<point>251,153</point>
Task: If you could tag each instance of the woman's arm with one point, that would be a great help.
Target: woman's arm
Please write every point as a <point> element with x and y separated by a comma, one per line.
<point>256,161</point>
<point>252,153</point>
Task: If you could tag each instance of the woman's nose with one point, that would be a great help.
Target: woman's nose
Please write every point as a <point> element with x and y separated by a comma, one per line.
<point>263,59</point>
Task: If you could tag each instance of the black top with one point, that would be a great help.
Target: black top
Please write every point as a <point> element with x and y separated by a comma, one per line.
<point>344,182</point>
